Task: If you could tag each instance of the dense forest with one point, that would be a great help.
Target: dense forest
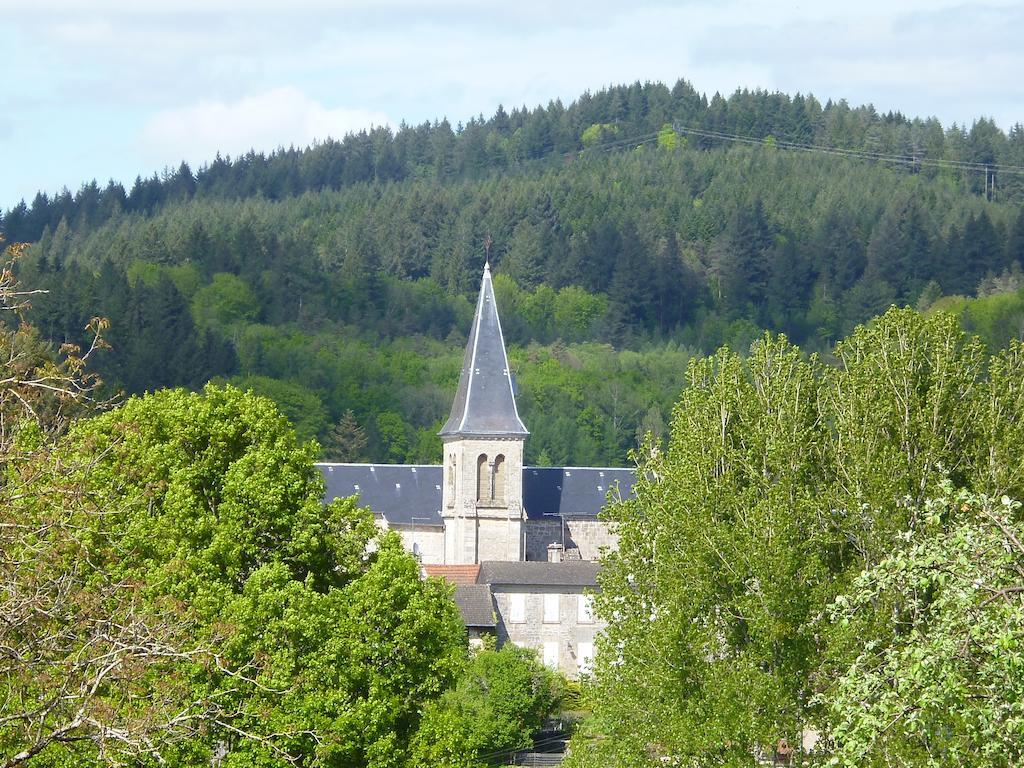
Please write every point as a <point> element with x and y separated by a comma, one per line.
<point>632,230</point>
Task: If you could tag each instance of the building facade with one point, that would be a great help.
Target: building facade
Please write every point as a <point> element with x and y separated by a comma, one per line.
<point>530,536</point>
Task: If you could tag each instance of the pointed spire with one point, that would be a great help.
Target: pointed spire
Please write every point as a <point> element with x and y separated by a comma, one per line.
<point>485,404</point>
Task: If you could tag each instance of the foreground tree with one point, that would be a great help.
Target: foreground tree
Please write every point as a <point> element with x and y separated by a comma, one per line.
<point>60,643</point>
<point>940,683</point>
<point>782,481</point>
<point>498,704</point>
<point>173,587</point>
<point>706,654</point>
<point>173,591</point>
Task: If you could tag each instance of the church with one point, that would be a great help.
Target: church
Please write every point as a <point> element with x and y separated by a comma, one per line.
<point>519,542</point>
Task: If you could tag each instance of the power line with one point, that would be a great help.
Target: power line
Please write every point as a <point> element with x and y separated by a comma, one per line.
<point>989,169</point>
<point>860,154</point>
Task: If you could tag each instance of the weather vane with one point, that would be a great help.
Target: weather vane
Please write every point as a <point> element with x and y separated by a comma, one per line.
<point>487,248</point>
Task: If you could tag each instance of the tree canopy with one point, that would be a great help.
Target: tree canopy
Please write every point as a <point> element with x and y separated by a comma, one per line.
<point>783,480</point>
<point>251,620</point>
<point>942,683</point>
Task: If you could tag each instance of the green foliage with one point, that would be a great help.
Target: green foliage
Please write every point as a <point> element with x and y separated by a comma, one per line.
<point>174,592</point>
<point>341,289</point>
<point>259,621</point>
<point>997,318</point>
<point>499,702</point>
<point>783,479</point>
<point>942,684</point>
<point>217,485</point>
<point>377,238</point>
<point>301,405</point>
<point>598,133</point>
<point>524,139</point>
<point>668,139</point>
<point>227,300</point>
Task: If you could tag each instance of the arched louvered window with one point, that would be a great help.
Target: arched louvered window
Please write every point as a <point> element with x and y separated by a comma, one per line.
<point>483,490</point>
<point>451,480</point>
<point>498,488</point>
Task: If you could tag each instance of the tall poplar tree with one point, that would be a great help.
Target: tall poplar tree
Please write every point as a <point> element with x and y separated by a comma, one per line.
<point>783,479</point>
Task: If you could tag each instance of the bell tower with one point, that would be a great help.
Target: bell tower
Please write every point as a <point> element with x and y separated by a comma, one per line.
<point>484,438</point>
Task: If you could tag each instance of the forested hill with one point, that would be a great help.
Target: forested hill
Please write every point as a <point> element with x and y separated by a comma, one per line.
<point>617,116</point>
<point>338,279</point>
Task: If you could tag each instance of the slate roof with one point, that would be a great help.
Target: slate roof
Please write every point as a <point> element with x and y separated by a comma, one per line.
<point>401,492</point>
<point>580,573</point>
<point>398,492</point>
<point>475,605</point>
<point>485,403</point>
<point>572,491</point>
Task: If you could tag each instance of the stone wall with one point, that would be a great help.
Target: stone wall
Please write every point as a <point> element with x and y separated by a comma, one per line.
<point>499,538</point>
<point>485,528</point>
<point>532,633</point>
<point>587,534</point>
<point>429,542</point>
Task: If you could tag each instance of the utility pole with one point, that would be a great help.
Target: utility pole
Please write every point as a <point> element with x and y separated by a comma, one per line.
<point>415,550</point>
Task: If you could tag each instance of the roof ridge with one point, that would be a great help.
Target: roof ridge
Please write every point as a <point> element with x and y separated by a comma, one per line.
<point>601,469</point>
<point>371,464</point>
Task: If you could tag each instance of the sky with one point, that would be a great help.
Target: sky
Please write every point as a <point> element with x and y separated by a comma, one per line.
<point>117,88</point>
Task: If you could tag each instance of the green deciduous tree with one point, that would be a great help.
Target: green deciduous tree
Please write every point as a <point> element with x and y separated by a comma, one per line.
<point>225,301</point>
<point>784,479</point>
<point>668,138</point>
<point>499,702</point>
<point>194,597</point>
<point>941,684</point>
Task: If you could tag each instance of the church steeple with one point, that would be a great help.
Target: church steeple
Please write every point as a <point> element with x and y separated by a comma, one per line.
<point>485,403</point>
<point>484,441</point>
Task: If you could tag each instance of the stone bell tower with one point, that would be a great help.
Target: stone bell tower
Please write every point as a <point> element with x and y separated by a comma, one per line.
<point>482,496</point>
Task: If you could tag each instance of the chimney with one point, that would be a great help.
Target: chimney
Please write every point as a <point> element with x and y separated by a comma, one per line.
<point>555,552</point>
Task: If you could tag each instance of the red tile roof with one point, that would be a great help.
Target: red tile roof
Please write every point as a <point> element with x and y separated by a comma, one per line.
<point>456,574</point>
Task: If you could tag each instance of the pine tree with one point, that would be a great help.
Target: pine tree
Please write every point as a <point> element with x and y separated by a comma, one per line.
<point>1015,241</point>
<point>346,440</point>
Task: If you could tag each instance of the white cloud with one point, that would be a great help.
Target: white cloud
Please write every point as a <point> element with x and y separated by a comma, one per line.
<point>278,117</point>
<point>94,32</point>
